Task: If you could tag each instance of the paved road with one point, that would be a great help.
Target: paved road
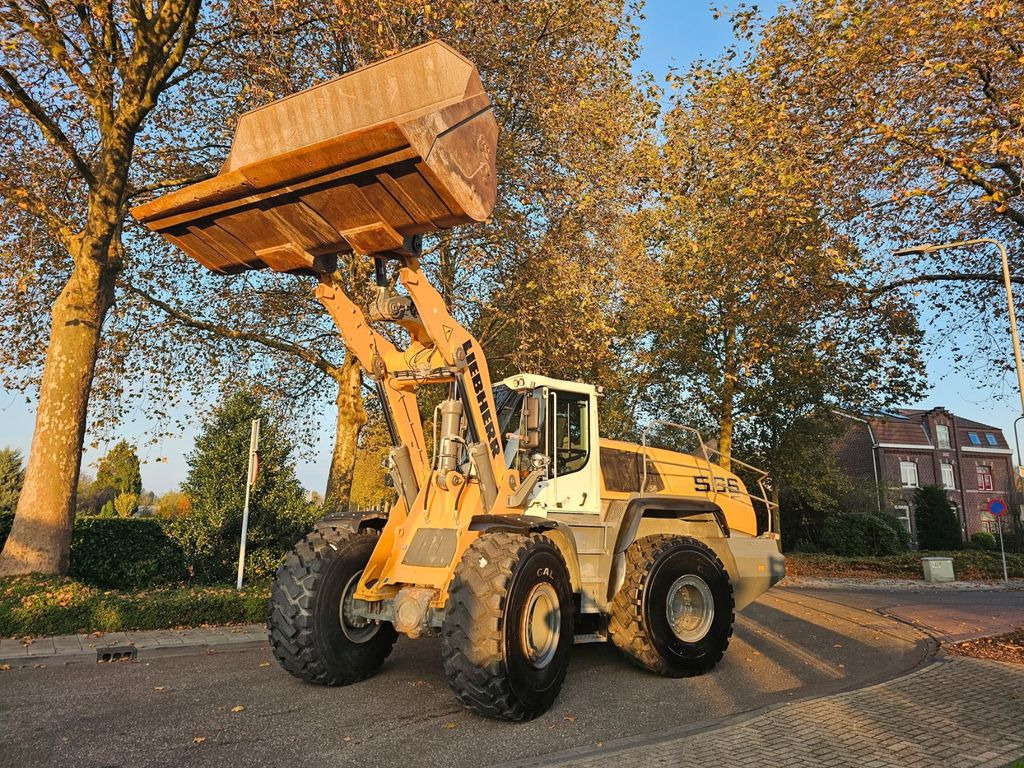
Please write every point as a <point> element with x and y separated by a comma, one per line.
<point>789,645</point>
<point>950,615</point>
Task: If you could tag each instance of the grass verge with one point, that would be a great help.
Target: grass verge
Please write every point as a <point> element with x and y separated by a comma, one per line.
<point>969,565</point>
<point>1008,647</point>
<point>41,605</point>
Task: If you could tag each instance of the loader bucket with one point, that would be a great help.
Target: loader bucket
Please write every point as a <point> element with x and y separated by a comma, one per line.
<point>360,163</point>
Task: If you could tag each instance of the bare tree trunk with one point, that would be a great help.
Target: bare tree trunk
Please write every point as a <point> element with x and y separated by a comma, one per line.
<point>351,419</point>
<point>40,537</point>
<point>726,419</point>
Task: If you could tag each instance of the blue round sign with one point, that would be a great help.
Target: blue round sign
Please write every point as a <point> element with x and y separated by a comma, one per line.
<point>996,507</point>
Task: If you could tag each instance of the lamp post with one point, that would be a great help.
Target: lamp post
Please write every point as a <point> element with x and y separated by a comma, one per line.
<point>1014,335</point>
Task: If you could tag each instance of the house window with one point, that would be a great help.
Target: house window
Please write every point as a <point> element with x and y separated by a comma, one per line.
<point>988,523</point>
<point>948,480</point>
<point>973,437</point>
<point>942,435</point>
<point>991,438</point>
<point>903,515</point>
<point>908,474</point>
<point>984,478</point>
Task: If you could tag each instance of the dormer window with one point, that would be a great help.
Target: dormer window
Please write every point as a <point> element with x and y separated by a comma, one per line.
<point>991,438</point>
<point>973,437</point>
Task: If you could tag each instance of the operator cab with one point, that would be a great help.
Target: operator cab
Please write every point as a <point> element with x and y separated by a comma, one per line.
<point>551,425</point>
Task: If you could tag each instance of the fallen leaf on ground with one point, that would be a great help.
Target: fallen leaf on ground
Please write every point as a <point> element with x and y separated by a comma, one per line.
<point>347,738</point>
<point>158,687</point>
<point>198,739</point>
<point>238,708</point>
<point>4,667</point>
<point>570,718</point>
<point>450,725</point>
<point>264,663</point>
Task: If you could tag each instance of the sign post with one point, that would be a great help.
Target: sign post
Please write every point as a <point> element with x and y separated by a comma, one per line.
<point>997,508</point>
<point>250,481</point>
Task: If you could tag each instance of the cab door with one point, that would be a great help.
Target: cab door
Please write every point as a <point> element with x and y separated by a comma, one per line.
<point>571,448</point>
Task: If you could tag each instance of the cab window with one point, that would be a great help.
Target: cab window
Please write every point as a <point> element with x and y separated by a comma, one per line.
<point>568,431</point>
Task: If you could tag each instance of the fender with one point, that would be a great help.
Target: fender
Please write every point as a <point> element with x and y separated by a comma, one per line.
<point>637,507</point>
<point>559,533</point>
<point>676,507</point>
<point>356,521</point>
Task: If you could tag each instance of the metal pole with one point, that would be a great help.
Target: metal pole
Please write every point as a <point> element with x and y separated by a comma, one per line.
<point>1013,322</point>
<point>254,445</point>
<point>1002,549</point>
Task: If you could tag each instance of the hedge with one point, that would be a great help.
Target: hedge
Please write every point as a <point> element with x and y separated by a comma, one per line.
<point>51,605</point>
<point>119,553</point>
<point>860,534</point>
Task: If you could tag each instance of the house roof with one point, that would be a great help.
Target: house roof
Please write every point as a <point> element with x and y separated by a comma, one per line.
<point>911,427</point>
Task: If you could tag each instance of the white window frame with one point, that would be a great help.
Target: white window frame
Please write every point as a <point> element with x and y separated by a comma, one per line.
<point>986,486</point>
<point>903,515</point>
<point>904,467</point>
<point>948,469</point>
<point>942,435</point>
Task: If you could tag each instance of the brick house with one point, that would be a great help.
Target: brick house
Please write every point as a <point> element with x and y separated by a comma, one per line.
<point>901,450</point>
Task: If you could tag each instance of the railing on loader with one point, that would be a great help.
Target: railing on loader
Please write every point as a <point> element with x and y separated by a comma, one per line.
<point>762,478</point>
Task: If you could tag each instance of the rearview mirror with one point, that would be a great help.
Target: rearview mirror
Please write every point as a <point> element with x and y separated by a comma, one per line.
<point>531,423</point>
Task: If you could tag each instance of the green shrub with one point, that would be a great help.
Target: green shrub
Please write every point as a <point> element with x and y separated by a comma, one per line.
<point>858,534</point>
<point>124,553</point>
<point>983,540</point>
<point>6,521</point>
<point>937,524</point>
<point>44,605</point>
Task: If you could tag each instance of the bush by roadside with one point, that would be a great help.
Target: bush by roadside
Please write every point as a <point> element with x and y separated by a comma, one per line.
<point>968,565</point>
<point>864,534</point>
<point>38,605</point>
<point>119,553</point>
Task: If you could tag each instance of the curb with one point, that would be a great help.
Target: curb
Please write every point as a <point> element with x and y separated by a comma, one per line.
<point>130,646</point>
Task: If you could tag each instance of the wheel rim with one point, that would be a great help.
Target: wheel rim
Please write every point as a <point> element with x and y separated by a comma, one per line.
<point>690,608</point>
<point>356,628</point>
<point>542,625</point>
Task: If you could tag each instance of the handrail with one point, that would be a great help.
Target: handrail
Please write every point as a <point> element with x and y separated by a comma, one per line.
<point>762,476</point>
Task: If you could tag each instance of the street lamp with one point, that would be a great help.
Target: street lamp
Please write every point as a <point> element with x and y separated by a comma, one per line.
<point>1014,335</point>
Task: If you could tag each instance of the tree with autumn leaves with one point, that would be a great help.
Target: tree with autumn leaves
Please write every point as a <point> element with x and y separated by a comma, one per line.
<point>729,264</point>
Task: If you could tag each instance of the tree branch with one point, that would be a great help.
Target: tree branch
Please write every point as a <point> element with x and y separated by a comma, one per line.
<point>271,342</point>
<point>991,277</point>
<point>18,98</point>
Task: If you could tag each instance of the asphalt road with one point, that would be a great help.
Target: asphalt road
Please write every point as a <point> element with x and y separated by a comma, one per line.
<point>949,615</point>
<point>184,711</point>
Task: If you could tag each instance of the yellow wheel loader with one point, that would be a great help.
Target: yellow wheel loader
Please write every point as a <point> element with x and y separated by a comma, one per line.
<point>517,529</point>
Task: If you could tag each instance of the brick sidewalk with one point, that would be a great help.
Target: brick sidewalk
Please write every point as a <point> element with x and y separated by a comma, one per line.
<point>955,712</point>
<point>115,646</point>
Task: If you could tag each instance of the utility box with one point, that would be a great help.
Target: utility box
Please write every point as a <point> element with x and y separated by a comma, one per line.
<point>938,568</point>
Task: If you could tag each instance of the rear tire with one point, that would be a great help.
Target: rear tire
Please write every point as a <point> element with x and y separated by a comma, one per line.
<point>508,629</point>
<point>309,633</point>
<point>674,613</point>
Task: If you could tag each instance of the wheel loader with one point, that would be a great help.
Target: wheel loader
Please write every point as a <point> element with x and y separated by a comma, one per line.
<point>518,529</point>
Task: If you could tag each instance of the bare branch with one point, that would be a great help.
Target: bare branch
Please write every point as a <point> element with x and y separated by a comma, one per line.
<point>18,98</point>
<point>313,358</point>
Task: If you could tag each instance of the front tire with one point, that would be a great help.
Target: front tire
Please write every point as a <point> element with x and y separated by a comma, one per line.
<point>674,613</point>
<point>508,630</point>
<point>311,634</point>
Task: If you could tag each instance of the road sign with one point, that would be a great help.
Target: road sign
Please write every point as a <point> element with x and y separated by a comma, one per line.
<point>996,507</point>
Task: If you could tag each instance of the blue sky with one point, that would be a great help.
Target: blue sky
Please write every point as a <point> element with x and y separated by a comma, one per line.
<point>673,34</point>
